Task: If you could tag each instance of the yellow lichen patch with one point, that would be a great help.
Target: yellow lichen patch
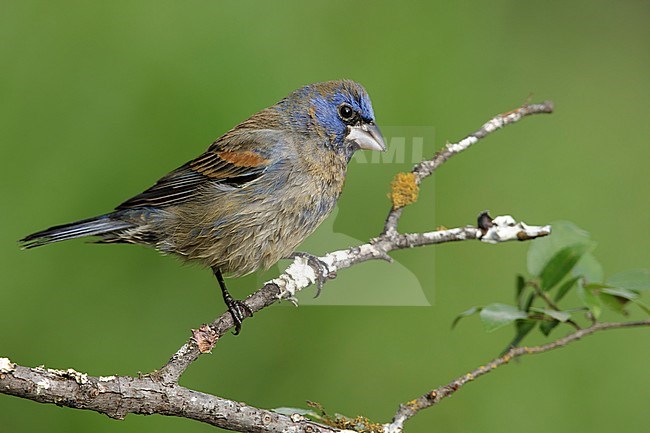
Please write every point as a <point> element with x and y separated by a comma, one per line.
<point>403,190</point>
<point>359,424</point>
<point>413,404</point>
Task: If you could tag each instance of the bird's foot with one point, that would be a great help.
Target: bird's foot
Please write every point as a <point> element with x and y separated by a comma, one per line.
<point>239,311</point>
<point>321,269</point>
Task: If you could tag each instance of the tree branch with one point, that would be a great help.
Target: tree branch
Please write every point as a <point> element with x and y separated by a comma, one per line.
<point>411,408</point>
<point>426,168</point>
<point>117,396</point>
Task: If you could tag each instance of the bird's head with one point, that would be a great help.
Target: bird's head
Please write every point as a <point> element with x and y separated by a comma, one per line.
<point>338,112</point>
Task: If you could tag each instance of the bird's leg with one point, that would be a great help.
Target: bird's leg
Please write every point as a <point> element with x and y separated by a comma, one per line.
<point>237,308</point>
<point>321,269</point>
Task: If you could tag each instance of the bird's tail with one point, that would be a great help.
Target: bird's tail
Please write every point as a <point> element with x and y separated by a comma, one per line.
<point>98,226</point>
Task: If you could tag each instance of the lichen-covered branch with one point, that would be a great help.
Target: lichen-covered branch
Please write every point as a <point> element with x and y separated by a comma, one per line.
<point>411,408</point>
<point>405,187</point>
<point>117,396</point>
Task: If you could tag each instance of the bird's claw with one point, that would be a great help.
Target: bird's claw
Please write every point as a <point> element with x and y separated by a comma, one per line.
<point>239,311</point>
<point>321,269</point>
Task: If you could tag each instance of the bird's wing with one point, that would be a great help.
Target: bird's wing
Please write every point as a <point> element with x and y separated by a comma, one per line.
<point>231,161</point>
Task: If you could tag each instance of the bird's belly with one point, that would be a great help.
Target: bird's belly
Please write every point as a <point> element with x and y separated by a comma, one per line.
<point>249,234</point>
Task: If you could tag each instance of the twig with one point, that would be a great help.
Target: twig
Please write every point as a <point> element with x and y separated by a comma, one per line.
<point>411,408</point>
<point>424,169</point>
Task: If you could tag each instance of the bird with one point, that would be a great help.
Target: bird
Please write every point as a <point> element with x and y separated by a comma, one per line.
<point>253,196</point>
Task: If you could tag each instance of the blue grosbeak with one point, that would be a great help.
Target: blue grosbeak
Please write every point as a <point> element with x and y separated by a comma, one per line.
<point>255,194</point>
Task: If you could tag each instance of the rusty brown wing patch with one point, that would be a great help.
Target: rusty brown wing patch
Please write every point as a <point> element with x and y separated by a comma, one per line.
<point>229,164</point>
<point>244,158</point>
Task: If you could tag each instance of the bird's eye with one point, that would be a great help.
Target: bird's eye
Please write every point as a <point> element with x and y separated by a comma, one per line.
<point>346,112</point>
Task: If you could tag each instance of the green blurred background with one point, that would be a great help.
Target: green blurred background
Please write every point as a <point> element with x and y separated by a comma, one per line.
<point>99,99</point>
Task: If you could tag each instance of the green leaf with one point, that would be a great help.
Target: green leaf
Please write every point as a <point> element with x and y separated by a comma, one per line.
<point>529,302</point>
<point>562,316</point>
<point>519,290</point>
<point>464,314</point>
<point>496,316</point>
<point>641,305</point>
<point>522,328</point>
<point>629,295</point>
<point>561,264</point>
<point>547,327</point>
<point>588,293</point>
<point>589,268</point>
<point>565,287</point>
<point>616,299</point>
<point>614,303</point>
<point>636,279</point>
<point>541,250</point>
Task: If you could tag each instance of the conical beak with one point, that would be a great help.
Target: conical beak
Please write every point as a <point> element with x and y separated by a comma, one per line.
<point>367,136</point>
